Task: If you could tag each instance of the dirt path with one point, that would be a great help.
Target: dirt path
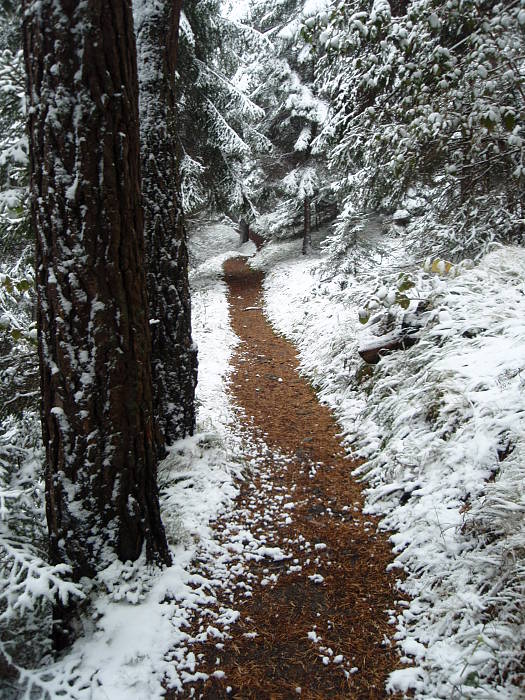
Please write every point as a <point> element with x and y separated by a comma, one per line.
<point>313,595</point>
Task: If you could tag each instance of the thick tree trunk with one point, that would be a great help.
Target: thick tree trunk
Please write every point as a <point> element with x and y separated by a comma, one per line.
<point>94,341</point>
<point>174,357</point>
<point>307,230</point>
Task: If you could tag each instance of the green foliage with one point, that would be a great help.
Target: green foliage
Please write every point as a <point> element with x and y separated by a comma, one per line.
<point>431,98</point>
<point>18,337</point>
<point>14,216</point>
<point>385,299</point>
<point>405,282</point>
<point>18,363</point>
<point>217,119</point>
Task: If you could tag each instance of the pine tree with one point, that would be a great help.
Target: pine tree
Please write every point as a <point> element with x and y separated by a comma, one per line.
<point>428,95</point>
<point>282,71</point>
<point>174,357</point>
<point>14,234</point>
<point>217,121</point>
<point>93,333</point>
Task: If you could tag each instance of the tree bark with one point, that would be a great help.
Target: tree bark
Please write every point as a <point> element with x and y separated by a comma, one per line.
<point>244,231</point>
<point>174,356</point>
<point>93,331</point>
<point>307,230</point>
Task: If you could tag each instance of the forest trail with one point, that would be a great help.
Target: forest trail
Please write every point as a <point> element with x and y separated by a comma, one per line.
<point>313,600</point>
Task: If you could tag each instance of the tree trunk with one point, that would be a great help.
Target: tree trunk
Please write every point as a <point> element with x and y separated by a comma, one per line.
<point>307,230</point>
<point>174,357</point>
<point>244,231</point>
<point>93,332</point>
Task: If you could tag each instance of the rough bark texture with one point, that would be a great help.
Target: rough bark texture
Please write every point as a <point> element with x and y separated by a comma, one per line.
<point>94,341</point>
<point>174,357</point>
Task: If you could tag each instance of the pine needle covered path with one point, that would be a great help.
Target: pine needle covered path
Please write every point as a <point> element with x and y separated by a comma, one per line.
<point>311,588</point>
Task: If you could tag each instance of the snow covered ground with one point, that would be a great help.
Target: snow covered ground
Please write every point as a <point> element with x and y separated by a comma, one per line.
<point>139,616</point>
<point>442,428</point>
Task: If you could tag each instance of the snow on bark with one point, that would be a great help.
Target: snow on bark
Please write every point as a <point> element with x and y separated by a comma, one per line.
<point>174,357</point>
<point>93,331</point>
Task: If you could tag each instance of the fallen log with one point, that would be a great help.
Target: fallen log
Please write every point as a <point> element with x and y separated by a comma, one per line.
<point>378,346</point>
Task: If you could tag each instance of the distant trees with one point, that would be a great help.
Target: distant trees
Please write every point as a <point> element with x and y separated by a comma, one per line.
<point>218,119</point>
<point>426,95</point>
<point>93,332</point>
<point>174,357</point>
<point>17,363</point>
<point>382,105</point>
<point>290,178</point>
<point>13,141</point>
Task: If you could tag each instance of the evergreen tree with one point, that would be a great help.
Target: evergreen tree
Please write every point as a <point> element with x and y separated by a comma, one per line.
<point>93,333</point>
<point>429,95</point>
<point>282,72</point>
<point>174,357</point>
<point>23,536</point>
<point>14,228</point>
<point>217,121</point>
<point>16,271</point>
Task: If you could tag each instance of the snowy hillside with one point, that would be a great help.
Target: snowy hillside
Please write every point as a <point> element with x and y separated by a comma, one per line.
<point>442,428</point>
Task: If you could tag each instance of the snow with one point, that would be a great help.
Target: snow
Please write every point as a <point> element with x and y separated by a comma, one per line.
<point>314,7</point>
<point>210,247</point>
<point>442,429</point>
<point>236,9</point>
<point>401,216</point>
<point>403,680</point>
<point>139,615</point>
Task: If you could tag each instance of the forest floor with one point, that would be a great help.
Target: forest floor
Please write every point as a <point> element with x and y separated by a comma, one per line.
<point>283,583</point>
<point>307,570</point>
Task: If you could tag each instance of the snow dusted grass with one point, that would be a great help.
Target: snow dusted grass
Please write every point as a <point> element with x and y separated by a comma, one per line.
<point>210,246</point>
<point>442,428</point>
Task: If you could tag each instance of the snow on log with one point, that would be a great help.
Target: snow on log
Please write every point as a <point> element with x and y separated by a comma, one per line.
<point>401,216</point>
<point>377,346</point>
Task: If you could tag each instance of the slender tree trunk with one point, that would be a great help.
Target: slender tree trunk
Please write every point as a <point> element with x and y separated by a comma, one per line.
<point>244,231</point>
<point>174,357</point>
<point>307,230</point>
<point>94,341</point>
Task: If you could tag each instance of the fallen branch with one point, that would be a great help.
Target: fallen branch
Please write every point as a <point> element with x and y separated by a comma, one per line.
<point>398,340</point>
